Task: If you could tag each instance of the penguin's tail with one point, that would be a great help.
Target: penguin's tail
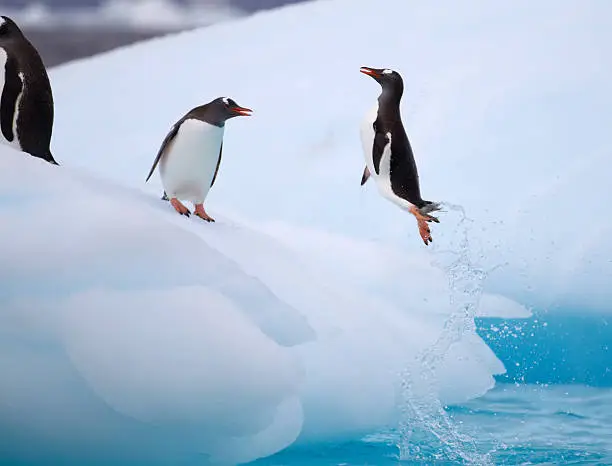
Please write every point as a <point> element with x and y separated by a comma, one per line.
<point>428,208</point>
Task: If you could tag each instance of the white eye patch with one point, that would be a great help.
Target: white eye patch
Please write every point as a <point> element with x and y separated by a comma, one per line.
<point>387,71</point>
<point>225,100</point>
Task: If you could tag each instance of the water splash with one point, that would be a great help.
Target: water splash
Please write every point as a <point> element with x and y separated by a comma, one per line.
<point>422,411</point>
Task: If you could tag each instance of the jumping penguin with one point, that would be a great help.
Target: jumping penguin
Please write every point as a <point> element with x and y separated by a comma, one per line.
<point>388,154</point>
<point>190,154</point>
<point>26,103</point>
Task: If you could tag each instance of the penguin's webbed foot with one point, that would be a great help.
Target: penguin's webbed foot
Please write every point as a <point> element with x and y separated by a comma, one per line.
<point>422,221</point>
<point>425,232</point>
<point>427,209</point>
<point>200,212</point>
<point>179,207</point>
<point>431,218</point>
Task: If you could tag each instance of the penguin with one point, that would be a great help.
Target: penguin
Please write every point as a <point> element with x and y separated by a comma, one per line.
<point>388,154</point>
<point>26,102</point>
<point>190,154</point>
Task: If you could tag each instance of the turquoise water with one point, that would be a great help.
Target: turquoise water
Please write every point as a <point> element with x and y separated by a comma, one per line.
<point>553,405</point>
<point>512,424</point>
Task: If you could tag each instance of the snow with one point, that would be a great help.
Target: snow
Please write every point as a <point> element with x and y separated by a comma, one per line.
<point>130,332</point>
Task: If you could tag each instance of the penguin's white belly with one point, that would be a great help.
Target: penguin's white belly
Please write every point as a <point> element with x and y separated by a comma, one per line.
<point>383,178</point>
<point>188,166</point>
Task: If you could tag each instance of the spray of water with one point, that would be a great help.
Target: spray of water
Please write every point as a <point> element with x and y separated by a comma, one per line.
<point>422,411</point>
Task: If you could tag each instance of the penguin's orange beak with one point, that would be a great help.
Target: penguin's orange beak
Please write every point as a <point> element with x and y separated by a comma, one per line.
<point>369,71</point>
<point>242,111</point>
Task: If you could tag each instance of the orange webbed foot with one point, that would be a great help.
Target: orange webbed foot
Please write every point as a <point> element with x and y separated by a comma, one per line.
<point>179,207</point>
<point>200,212</point>
<point>422,220</point>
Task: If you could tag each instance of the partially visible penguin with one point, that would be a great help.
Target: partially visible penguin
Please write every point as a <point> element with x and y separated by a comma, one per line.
<point>388,154</point>
<point>190,155</point>
<point>26,102</point>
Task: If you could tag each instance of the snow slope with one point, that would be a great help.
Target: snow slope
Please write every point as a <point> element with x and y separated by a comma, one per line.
<point>506,105</point>
<point>129,332</point>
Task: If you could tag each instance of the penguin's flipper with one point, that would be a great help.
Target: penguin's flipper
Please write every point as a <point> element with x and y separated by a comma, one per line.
<point>365,176</point>
<point>12,88</point>
<point>167,140</point>
<point>218,165</point>
<point>378,147</point>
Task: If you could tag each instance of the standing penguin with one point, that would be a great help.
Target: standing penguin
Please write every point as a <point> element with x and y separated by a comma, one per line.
<point>388,154</point>
<point>190,155</point>
<point>26,103</point>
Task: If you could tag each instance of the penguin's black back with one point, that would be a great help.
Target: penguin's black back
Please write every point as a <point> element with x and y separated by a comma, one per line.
<point>404,175</point>
<point>36,106</point>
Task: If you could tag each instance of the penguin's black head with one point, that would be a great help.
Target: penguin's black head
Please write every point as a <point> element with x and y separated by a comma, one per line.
<point>8,28</point>
<point>388,79</point>
<point>218,111</point>
<point>227,108</point>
